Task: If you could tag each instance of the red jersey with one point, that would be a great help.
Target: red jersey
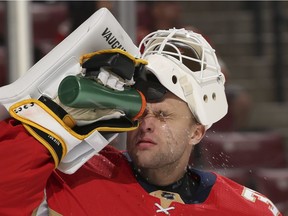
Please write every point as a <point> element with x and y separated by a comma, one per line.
<point>105,185</point>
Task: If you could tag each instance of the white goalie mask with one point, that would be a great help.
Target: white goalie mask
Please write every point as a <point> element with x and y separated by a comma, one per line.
<point>185,64</point>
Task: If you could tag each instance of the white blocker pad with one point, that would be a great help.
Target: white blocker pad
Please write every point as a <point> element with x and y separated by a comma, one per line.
<point>100,31</point>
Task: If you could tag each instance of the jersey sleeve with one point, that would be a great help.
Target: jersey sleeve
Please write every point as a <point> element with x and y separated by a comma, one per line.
<point>242,200</point>
<point>25,167</point>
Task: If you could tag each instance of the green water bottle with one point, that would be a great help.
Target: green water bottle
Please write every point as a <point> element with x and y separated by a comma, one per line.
<point>80,92</point>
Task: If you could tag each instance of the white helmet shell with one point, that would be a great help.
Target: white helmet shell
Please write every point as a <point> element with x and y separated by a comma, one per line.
<point>194,77</point>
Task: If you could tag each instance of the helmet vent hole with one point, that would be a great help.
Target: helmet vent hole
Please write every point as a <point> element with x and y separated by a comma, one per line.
<point>205,98</point>
<point>214,96</point>
<point>174,79</point>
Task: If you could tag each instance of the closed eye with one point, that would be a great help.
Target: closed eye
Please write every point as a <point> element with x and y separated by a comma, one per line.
<point>159,114</point>
<point>162,115</point>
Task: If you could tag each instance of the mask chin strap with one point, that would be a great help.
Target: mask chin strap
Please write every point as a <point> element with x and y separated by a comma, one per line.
<point>188,93</point>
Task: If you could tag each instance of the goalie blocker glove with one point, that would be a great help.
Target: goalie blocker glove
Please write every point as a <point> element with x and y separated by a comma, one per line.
<point>72,144</point>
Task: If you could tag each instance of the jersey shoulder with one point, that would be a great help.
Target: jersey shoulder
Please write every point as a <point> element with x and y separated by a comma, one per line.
<point>243,199</point>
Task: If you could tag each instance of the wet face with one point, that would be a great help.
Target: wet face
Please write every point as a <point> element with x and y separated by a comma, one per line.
<point>165,136</point>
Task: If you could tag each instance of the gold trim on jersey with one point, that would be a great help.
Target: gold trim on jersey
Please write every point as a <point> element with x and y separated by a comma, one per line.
<point>167,197</point>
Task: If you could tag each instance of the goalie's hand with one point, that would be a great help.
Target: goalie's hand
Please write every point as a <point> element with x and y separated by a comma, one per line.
<point>103,87</point>
<point>113,68</point>
<point>74,134</point>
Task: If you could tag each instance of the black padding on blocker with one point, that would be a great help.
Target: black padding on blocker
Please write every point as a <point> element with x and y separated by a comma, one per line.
<point>51,140</point>
<point>116,62</point>
<point>122,122</point>
<point>58,110</point>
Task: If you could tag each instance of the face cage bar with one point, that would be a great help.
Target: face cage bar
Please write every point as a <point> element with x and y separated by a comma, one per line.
<point>165,39</point>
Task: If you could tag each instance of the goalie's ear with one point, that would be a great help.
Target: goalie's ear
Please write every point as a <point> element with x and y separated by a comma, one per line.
<point>197,133</point>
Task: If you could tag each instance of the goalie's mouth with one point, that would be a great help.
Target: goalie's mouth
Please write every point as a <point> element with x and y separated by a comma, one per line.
<point>145,143</point>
